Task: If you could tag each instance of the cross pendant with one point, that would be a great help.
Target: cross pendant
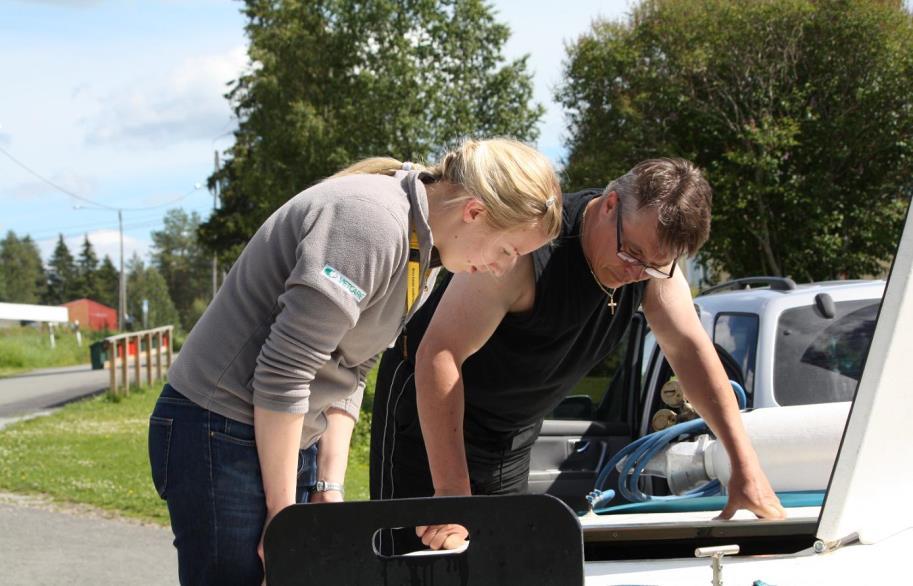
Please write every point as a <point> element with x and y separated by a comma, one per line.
<point>611,304</point>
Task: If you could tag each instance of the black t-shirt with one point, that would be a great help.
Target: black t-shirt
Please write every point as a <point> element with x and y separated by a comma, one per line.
<point>535,358</point>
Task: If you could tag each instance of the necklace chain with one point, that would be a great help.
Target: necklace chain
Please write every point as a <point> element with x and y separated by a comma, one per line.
<point>609,293</point>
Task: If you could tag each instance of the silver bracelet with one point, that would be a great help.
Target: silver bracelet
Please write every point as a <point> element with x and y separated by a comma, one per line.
<point>323,486</point>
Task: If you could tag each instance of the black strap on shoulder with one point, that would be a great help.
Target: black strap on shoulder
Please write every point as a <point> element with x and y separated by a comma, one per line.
<point>533,540</point>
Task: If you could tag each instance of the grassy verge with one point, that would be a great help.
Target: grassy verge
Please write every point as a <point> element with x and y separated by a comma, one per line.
<point>94,452</point>
<point>26,348</point>
<point>91,452</point>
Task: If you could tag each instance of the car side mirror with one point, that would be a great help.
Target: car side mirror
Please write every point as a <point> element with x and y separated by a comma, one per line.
<point>575,407</point>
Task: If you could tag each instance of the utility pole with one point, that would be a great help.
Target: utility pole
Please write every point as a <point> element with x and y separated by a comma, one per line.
<point>215,258</point>
<point>122,289</point>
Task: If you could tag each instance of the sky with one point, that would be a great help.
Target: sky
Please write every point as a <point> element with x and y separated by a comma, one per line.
<point>119,104</point>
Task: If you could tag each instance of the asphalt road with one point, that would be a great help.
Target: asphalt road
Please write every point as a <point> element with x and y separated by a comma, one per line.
<point>41,544</point>
<point>44,544</point>
<point>47,388</point>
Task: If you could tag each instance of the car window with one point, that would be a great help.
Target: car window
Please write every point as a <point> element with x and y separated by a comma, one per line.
<point>737,333</point>
<point>596,382</point>
<point>648,345</point>
<point>820,360</point>
<point>604,382</point>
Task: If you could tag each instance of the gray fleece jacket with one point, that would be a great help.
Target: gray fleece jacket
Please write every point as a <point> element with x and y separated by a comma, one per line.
<point>316,294</point>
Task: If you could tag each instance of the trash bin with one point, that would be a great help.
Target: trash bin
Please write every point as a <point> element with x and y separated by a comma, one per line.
<point>98,352</point>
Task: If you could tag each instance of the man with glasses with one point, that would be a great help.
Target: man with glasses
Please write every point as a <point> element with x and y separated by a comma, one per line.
<point>488,358</point>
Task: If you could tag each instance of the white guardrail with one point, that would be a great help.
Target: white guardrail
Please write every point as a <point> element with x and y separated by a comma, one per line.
<point>122,346</point>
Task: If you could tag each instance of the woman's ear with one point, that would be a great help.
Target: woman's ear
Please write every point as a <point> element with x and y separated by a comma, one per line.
<point>473,209</point>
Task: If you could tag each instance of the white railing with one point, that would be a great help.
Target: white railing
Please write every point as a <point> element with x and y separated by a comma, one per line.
<point>123,344</point>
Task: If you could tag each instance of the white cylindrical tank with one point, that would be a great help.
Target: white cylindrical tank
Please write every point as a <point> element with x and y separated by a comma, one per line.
<point>797,446</point>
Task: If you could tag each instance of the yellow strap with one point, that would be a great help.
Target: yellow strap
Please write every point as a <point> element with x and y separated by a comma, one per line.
<point>415,278</point>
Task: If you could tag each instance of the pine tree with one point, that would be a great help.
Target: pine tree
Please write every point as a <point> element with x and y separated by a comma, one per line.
<point>184,264</point>
<point>23,276</point>
<point>107,279</point>
<point>2,284</point>
<point>87,269</point>
<point>63,282</point>
<point>146,283</point>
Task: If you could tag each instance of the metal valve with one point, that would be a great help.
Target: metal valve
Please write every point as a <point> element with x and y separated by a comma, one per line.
<point>672,393</point>
<point>687,412</point>
<point>716,562</point>
<point>664,418</point>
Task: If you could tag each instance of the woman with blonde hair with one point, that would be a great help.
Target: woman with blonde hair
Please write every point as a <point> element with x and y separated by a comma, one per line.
<point>277,363</point>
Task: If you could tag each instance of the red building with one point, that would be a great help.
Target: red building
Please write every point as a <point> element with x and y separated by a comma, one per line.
<point>92,315</point>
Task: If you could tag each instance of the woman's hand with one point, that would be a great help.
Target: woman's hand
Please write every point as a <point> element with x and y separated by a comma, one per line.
<point>326,496</point>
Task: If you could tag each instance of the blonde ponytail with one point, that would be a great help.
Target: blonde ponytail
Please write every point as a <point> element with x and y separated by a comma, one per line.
<point>516,183</point>
<point>377,166</point>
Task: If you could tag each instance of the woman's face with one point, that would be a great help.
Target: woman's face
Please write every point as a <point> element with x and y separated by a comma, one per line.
<point>477,247</point>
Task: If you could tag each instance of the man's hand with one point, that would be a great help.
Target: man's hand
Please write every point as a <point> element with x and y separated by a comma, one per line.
<point>448,536</point>
<point>670,313</point>
<point>750,489</point>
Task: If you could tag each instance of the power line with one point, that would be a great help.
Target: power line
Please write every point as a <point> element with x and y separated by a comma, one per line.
<point>66,191</point>
<point>122,287</point>
<point>148,223</point>
<point>51,183</point>
<point>82,228</point>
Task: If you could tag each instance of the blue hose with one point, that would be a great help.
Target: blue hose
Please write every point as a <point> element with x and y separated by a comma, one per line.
<point>811,498</point>
<point>638,453</point>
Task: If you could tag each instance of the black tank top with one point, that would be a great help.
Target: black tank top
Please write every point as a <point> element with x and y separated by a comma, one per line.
<point>535,358</point>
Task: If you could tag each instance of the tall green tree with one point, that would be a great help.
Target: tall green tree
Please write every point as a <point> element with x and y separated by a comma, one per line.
<point>63,277</point>
<point>184,264</point>
<point>145,283</point>
<point>107,279</point>
<point>334,81</point>
<point>801,112</point>
<point>86,271</point>
<point>22,269</point>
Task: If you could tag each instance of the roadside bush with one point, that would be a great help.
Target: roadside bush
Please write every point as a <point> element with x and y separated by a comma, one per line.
<point>27,347</point>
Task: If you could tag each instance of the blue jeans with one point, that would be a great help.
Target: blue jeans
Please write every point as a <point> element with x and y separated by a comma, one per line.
<point>206,467</point>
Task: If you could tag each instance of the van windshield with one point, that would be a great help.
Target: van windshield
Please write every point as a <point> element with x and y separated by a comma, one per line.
<point>820,360</point>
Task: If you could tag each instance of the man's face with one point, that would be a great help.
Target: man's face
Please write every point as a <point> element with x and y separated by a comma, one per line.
<point>639,238</point>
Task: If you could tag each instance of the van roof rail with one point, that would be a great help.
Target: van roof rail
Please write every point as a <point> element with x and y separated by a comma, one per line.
<point>775,283</point>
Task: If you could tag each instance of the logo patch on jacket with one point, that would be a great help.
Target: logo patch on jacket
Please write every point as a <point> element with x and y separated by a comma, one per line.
<point>343,282</point>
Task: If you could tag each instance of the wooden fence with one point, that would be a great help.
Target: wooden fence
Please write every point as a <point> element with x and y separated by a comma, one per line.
<point>120,347</point>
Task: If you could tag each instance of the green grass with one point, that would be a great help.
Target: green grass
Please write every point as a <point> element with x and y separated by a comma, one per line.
<point>91,452</point>
<point>94,452</point>
<point>26,348</point>
<point>357,488</point>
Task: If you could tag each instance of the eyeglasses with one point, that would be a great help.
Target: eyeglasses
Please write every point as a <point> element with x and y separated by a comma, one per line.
<point>654,272</point>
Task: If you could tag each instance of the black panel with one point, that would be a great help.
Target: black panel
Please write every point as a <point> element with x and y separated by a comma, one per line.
<point>533,540</point>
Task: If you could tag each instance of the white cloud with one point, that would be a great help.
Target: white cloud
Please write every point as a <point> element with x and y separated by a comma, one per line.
<point>188,103</point>
<point>26,190</point>
<point>34,189</point>
<point>105,242</point>
<point>5,139</point>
